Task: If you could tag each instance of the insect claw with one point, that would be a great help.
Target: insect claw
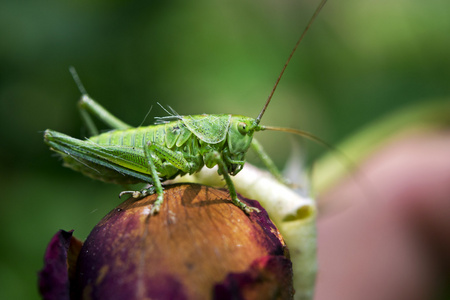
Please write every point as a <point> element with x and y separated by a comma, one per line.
<point>135,194</point>
<point>249,209</point>
<point>124,193</point>
<point>139,194</point>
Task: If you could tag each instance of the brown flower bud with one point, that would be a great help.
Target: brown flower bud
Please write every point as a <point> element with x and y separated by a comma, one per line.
<point>199,246</point>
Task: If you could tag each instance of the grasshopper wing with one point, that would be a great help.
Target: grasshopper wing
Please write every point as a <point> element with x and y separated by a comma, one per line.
<point>211,129</point>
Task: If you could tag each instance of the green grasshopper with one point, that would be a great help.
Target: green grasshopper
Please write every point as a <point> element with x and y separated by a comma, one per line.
<point>176,145</point>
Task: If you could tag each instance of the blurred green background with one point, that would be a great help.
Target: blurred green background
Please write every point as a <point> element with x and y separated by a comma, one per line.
<point>361,60</point>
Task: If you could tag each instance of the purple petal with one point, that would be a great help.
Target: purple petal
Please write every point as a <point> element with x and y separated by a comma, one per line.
<point>269,277</point>
<point>54,276</point>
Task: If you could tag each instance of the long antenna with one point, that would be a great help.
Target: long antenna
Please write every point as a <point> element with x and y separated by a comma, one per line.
<point>307,135</point>
<point>318,9</point>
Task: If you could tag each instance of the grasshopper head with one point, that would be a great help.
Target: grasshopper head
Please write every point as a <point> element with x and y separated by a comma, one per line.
<point>240,136</point>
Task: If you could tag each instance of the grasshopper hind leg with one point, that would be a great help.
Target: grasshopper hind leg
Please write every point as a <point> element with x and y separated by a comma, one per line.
<point>90,108</point>
<point>87,107</point>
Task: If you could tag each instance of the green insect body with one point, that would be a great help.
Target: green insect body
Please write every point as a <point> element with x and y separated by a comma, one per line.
<point>176,145</point>
<point>160,152</point>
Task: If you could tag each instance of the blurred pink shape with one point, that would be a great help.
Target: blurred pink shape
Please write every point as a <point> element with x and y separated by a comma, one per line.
<point>394,244</point>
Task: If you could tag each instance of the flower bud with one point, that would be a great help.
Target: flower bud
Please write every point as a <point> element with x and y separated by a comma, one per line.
<point>199,246</point>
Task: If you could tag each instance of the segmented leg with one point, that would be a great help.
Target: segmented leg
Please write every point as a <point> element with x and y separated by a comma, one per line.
<point>156,181</point>
<point>231,189</point>
<point>267,161</point>
<point>89,107</point>
<point>165,161</point>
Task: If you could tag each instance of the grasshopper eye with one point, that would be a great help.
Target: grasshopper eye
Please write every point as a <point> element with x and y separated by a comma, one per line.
<point>243,128</point>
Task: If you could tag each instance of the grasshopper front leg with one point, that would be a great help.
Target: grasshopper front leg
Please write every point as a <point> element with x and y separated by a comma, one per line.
<point>231,189</point>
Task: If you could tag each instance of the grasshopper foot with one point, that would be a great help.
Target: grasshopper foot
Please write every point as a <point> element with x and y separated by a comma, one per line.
<point>156,206</point>
<point>155,209</point>
<point>139,194</point>
<point>249,209</point>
